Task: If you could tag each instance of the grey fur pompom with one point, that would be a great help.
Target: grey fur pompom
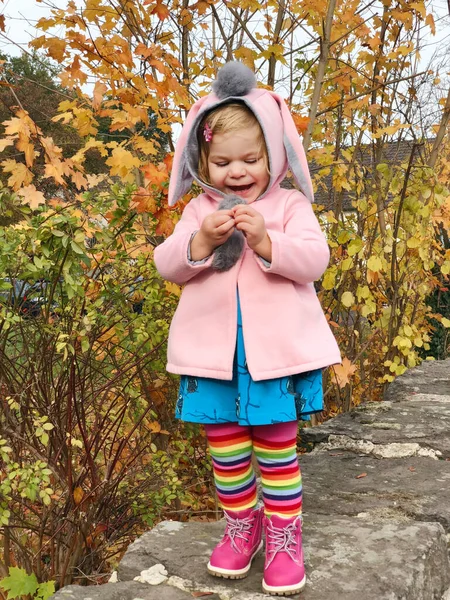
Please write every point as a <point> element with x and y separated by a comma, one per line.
<point>227,255</point>
<point>234,79</point>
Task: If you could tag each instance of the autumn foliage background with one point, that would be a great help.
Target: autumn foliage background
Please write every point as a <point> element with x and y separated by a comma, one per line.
<point>89,449</point>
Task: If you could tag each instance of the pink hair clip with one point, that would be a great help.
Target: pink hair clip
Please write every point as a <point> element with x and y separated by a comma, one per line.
<point>207,132</point>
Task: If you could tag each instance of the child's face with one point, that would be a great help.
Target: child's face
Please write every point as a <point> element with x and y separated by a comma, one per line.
<point>237,164</point>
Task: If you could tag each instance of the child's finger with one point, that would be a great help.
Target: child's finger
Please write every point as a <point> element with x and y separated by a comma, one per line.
<point>244,209</point>
<point>224,227</point>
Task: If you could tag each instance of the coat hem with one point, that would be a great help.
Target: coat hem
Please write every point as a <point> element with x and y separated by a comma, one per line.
<point>228,375</point>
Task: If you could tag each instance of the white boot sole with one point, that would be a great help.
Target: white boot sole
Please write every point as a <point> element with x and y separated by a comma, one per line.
<point>286,590</point>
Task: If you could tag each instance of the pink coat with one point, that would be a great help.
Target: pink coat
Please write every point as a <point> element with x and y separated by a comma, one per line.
<point>285,330</point>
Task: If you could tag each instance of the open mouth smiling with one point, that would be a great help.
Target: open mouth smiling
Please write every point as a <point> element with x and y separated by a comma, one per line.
<point>240,188</point>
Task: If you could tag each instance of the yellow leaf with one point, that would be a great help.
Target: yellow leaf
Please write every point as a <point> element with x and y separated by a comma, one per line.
<point>172,288</point>
<point>374,263</point>
<point>55,170</point>
<point>32,196</point>
<point>78,495</point>
<point>23,145</point>
<point>20,175</point>
<point>329,279</point>
<point>413,242</point>
<point>145,146</point>
<point>5,142</point>
<point>348,299</point>
<point>122,163</point>
<point>445,322</point>
<point>56,48</point>
<point>347,264</point>
<point>362,292</point>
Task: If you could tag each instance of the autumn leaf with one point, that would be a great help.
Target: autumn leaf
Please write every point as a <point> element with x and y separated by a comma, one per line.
<point>31,196</point>
<point>155,175</point>
<point>23,145</point>
<point>56,48</point>
<point>144,201</point>
<point>361,476</point>
<point>160,10</point>
<point>55,170</point>
<point>301,122</point>
<point>5,142</point>
<point>165,224</point>
<point>347,299</point>
<point>99,91</point>
<point>122,163</point>
<point>343,372</point>
<point>78,495</point>
<point>20,175</point>
<point>172,288</point>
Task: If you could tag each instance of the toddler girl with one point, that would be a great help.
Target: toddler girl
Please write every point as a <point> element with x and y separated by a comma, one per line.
<point>249,337</point>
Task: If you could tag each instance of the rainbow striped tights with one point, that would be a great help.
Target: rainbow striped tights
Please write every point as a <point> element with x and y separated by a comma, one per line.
<point>231,446</point>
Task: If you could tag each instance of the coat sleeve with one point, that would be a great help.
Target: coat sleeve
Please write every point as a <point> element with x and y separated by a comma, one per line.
<point>171,257</point>
<point>300,252</point>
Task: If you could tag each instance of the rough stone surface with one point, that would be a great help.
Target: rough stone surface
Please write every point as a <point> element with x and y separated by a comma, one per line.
<point>422,419</point>
<point>130,590</point>
<point>394,559</point>
<point>376,511</point>
<point>343,483</point>
<point>431,377</point>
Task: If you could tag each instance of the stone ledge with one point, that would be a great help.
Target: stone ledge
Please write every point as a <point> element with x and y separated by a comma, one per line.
<point>377,515</point>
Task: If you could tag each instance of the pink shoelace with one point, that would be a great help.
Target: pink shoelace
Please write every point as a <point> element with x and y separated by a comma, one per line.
<point>238,528</point>
<point>281,539</point>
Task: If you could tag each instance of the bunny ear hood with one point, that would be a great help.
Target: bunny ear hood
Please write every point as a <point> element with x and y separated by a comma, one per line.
<point>236,83</point>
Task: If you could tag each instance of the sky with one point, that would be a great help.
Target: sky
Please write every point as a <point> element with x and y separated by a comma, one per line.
<point>21,17</point>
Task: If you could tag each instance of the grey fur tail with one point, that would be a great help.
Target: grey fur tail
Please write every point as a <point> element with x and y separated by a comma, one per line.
<point>227,255</point>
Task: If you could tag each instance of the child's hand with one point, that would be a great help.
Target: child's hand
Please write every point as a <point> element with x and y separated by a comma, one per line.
<point>214,231</point>
<point>252,224</point>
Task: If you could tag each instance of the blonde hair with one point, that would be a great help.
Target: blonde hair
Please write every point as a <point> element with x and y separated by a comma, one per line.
<point>226,119</point>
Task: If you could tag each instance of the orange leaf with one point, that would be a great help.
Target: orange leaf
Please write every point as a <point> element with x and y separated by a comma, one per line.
<point>343,372</point>
<point>154,426</point>
<point>78,495</point>
<point>301,123</point>
<point>165,224</point>
<point>99,91</point>
<point>143,201</point>
<point>56,49</point>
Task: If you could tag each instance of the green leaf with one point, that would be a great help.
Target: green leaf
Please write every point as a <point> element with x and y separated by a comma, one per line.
<point>45,590</point>
<point>76,248</point>
<point>19,583</point>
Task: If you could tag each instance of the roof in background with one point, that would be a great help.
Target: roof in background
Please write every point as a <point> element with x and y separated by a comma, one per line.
<point>393,153</point>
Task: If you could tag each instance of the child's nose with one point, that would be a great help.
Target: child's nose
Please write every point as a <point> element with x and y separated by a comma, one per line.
<point>237,170</point>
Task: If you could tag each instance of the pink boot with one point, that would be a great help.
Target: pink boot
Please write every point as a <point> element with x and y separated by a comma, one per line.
<point>284,572</point>
<point>232,557</point>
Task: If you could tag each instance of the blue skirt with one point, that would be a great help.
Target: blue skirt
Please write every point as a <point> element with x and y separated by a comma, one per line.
<point>248,402</point>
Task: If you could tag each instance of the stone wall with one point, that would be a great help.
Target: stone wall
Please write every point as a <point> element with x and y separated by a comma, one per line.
<point>376,512</point>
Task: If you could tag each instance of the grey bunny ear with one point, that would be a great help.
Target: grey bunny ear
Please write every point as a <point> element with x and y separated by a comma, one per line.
<point>227,255</point>
<point>234,79</point>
